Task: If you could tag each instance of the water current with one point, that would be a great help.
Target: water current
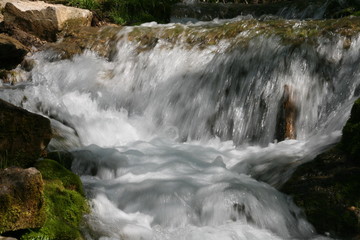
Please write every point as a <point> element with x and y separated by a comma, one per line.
<point>179,142</point>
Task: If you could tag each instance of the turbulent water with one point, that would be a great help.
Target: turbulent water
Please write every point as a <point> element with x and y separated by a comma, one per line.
<point>174,142</point>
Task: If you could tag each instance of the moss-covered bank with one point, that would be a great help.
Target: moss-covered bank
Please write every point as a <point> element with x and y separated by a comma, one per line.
<point>237,33</point>
<point>328,187</point>
<point>65,203</point>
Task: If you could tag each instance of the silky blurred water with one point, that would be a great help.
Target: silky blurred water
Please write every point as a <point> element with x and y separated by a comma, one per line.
<point>180,143</point>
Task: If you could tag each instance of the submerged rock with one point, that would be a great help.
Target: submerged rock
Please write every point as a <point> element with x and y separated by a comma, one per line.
<point>12,52</point>
<point>21,199</point>
<point>23,136</point>
<point>328,187</point>
<point>45,20</point>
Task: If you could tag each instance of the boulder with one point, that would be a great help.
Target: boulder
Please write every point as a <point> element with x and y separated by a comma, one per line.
<point>45,20</point>
<point>23,136</point>
<point>30,41</point>
<point>21,199</point>
<point>327,188</point>
<point>64,201</point>
<point>12,52</point>
<point>350,141</point>
<point>7,238</point>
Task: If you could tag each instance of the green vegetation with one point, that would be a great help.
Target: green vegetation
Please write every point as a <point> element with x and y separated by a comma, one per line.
<point>65,204</point>
<point>52,170</point>
<point>130,12</point>
<point>242,32</point>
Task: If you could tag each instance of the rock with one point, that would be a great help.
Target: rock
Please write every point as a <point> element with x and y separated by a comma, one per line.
<point>7,238</point>
<point>64,201</point>
<point>328,187</point>
<point>62,157</point>
<point>30,41</point>
<point>51,170</point>
<point>45,20</point>
<point>21,199</point>
<point>23,136</point>
<point>12,52</point>
<point>350,141</point>
<point>100,40</point>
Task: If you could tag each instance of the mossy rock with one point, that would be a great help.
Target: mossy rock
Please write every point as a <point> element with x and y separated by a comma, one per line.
<point>328,190</point>
<point>240,33</point>
<point>23,136</point>
<point>52,170</point>
<point>63,157</point>
<point>328,187</point>
<point>21,199</point>
<point>350,141</point>
<point>64,202</point>
<point>65,209</point>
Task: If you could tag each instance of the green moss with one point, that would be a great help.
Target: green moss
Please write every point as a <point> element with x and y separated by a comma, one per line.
<point>64,209</point>
<point>52,170</point>
<point>21,199</point>
<point>10,217</point>
<point>64,203</point>
<point>242,32</point>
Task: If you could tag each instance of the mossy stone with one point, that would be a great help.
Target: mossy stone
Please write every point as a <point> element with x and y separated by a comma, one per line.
<point>327,188</point>
<point>52,170</point>
<point>62,157</point>
<point>21,199</point>
<point>64,202</point>
<point>350,141</point>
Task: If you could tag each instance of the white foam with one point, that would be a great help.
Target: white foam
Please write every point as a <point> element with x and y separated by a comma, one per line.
<point>178,142</point>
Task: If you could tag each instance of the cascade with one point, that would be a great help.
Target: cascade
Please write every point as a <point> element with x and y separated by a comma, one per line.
<point>176,134</point>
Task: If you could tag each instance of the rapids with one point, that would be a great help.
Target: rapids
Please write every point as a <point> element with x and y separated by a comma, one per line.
<point>179,142</point>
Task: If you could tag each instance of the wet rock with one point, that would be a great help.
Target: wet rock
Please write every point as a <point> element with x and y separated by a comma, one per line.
<point>32,42</point>
<point>45,20</point>
<point>100,40</point>
<point>328,187</point>
<point>21,199</point>
<point>62,157</point>
<point>23,136</point>
<point>350,141</point>
<point>12,52</point>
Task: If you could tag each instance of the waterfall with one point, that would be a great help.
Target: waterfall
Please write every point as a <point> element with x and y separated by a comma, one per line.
<point>176,136</point>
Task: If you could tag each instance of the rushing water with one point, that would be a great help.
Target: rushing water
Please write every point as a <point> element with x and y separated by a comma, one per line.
<point>175,142</point>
